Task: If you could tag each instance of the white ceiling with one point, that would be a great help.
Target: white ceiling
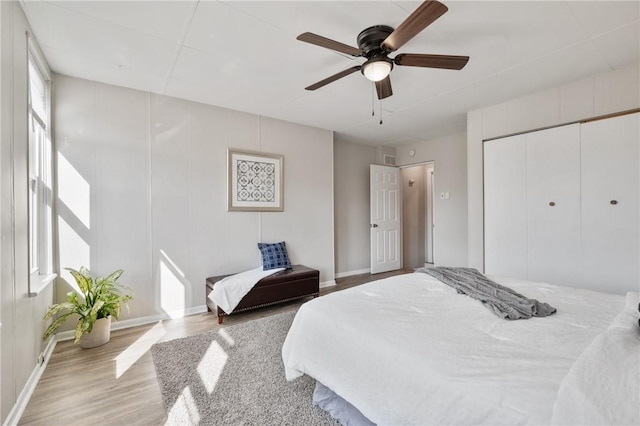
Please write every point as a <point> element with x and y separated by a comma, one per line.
<point>244,55</point>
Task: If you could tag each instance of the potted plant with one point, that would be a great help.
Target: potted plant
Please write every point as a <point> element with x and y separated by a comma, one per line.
<point>101,301</point>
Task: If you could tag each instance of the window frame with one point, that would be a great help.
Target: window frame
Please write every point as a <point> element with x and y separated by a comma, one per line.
<point>39,178</point>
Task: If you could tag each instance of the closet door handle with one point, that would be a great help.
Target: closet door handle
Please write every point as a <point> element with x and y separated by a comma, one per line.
<point>613,202</point>
<point>552,204</point>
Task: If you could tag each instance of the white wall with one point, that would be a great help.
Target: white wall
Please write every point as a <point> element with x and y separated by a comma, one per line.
<point>143,187</point>
<point>20,315</point>
<point>351,190</point>
<point>450,170</point>
<point>594,96</point>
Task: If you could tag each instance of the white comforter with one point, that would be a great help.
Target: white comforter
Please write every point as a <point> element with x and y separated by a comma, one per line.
<point>228,292</point>
<point>410,350</point>
<point>603,385</point>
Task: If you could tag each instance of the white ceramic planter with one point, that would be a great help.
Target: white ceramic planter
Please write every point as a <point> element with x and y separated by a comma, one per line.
<point>100,334</point>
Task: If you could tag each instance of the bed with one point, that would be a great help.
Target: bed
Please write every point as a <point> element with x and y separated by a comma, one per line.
<point>410,350</point>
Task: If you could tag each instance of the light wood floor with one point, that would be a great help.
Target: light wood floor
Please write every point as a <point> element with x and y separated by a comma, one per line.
<point>116,383</point>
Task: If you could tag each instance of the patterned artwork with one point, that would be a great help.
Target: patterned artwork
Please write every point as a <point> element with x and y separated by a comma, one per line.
<point>256,181</point>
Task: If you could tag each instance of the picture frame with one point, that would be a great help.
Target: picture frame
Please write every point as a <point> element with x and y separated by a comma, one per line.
<point>255,181</point>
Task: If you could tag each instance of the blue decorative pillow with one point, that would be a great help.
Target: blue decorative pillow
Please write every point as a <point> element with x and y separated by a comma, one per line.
<point>274,256</point>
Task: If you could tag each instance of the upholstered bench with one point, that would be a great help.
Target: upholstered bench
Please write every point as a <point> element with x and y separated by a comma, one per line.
<point>282,286</point>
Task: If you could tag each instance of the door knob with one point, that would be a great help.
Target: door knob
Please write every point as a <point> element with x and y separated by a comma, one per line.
<point>374,225</point>
<point>614,202</point>
<point>552,204</point>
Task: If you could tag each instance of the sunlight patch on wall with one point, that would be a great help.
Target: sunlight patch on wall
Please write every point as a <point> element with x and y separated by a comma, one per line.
<point>129,356</point>
<point>74,191</point>
<point>211,366</point>
<point>185,410</point>
<point>74,252</point>
<point>172,289</point>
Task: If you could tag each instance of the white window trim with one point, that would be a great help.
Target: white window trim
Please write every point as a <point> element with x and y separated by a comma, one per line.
<point>38,57</point>
<point>42,274</point>
<point>39,282</point>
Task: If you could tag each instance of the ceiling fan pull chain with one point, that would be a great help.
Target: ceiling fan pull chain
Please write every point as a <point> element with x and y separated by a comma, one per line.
<point>373,105</point>
<point>380,112</point>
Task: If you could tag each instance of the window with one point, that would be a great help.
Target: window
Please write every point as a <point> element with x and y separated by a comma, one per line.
<point>40,178</point>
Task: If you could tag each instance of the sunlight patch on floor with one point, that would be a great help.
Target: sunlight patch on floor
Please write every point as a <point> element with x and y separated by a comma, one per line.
<point>211,366</point>
<point>129,356</point>
<point>227,338</point>
<point>184,411</point>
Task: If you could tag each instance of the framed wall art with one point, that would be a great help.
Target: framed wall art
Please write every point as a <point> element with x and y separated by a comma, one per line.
<point>255,181</point>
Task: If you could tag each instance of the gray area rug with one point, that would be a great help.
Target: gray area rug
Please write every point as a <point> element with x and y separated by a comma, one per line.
<point>234,376</point>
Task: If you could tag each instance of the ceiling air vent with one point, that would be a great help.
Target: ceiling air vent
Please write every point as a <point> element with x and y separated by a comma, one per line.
<point>389,160</point>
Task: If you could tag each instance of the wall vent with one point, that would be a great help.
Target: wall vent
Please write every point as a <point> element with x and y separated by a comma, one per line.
<point>389,160</point>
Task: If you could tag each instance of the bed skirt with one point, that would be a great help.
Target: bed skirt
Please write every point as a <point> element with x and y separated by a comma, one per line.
<point>338,407</point>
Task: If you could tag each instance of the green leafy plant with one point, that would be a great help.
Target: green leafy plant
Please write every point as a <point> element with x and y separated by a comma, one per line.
<point>101,298</point>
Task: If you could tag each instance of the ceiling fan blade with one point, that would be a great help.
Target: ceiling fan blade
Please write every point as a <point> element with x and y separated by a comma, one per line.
<point>383,87</point>
<point>431,61</point>
<point>329,44</point>
<point>420,19</point>
<point>333,78</point>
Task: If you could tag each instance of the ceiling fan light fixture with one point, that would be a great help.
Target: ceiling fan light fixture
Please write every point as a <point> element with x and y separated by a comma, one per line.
<point>377,69</point>
<point>376,42</point>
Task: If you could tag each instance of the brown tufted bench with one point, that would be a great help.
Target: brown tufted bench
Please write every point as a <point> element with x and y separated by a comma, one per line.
<point>282,286</point>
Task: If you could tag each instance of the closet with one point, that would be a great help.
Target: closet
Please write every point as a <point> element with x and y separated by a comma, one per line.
<point>562,205</point>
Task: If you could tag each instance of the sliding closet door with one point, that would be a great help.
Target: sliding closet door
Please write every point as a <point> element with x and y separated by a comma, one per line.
<point>505,204</point>
<point>610,213</point>
<point>553,205</point>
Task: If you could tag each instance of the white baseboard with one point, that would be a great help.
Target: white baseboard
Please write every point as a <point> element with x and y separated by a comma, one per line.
<point>23,399</point>
<point>327,284</point>
<point>350,273</point>
<point>134,322</point>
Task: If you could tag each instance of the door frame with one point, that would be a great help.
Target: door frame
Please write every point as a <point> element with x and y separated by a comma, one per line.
<point>433,205</point>
<point>430,249</point>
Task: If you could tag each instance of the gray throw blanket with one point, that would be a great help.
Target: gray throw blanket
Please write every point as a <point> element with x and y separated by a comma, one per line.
<point>501,300</point>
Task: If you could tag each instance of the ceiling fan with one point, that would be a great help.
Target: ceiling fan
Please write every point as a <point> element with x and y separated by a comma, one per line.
<point>377,42</point>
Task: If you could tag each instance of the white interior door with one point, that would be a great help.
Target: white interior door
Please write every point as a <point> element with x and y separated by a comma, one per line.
<point>505,207</point>
<point>610,211</point>
<point>385,223</point>
<point>553,205</point>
